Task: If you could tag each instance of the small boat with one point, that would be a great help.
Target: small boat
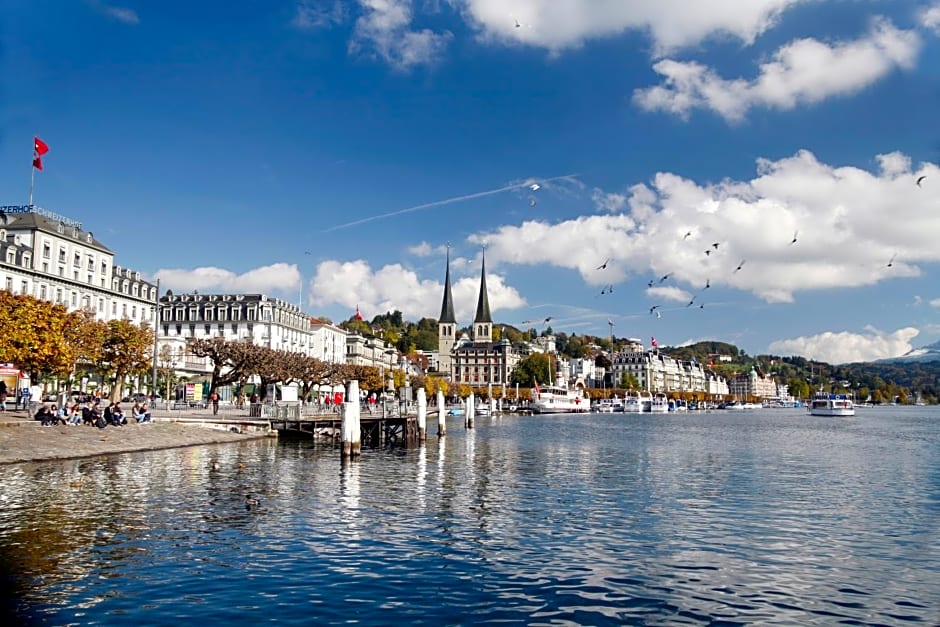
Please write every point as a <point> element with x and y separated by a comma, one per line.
<point>638,403</point>
<point>559,398</point>
<point>831,405</point>
<point>659,404</point>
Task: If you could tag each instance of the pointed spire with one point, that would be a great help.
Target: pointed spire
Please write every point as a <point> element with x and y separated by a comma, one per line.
<point>447,306</point>
<point>483,302</point>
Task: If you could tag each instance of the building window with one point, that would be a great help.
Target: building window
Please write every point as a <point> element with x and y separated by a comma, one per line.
<point>252,313</point>
<point>77,261</point>
<point>101,305</point>
<point>114,309</point>
<point>104,267</point>
<point>11,256</point>
<point>58,295</point>
<point>42,292</point>
<point>91,263</point>
<point>46,251</point>
<point>74,299</point>
<point>134,290</point>
<point>24,287</point>
<point>179,313</point>
<point>209,312</point>
<point>133,312</point>
<point>9,284</point>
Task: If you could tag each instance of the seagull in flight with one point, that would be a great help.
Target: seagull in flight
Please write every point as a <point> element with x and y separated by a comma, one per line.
<point>532,202</point>
<point>603,266</point>
<point>535,187</point>
<point>740,265</point>
<point>653,310</point>
<point>891,261</point>
<point>609,289</point>
<point>715,245</point>
<point>658,315</point>
<point>691,302</point>
<point>548,319</point>
<point>650,284</point>
<point>708,284</point>
<point>920,179</point>
<point>708,252</point>
<point>795,233</point>
<point>665,276</point>
<point>687,235</point>
<point>518,25</point>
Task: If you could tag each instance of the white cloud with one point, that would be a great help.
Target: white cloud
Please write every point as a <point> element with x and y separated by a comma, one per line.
<point>424,249</point>
<point>394,287</point>
<point>277,277</point>
<point>846,347</point>
<point>930,17</point>
<point>670,293</point>
<point>844,237</point>
<point>935,302</point>
<point>805,71</point>
<point>608,201</point>
<point>556,25</point>
<point>385,28</point>
<point>120,14</point>
<point>315,14</point>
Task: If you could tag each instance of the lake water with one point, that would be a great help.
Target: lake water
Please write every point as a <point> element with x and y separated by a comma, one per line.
<point>764,517</point>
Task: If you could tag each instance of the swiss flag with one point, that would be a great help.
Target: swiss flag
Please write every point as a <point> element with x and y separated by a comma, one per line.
<point>538,392</point>
<point>39,149</point>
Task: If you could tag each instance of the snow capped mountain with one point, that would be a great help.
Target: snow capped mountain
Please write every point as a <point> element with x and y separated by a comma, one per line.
<point>931,352</point>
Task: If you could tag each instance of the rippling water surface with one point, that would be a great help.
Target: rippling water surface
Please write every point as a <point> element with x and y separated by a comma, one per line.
<point>769,517</point>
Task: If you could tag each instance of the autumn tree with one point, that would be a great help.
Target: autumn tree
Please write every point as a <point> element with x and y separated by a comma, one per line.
<point>85,335</point>
<point>33,335</point>
<point>230,360</point>
<point>126,351</point>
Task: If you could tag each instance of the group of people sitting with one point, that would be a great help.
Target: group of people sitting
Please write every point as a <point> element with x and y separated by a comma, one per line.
<point>91,414</point>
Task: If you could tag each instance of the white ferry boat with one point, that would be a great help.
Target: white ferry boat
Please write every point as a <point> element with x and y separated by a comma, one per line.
<point>559,398</point>
<point>659,404</point>
<point>634,404</point>
<point>831,405</point>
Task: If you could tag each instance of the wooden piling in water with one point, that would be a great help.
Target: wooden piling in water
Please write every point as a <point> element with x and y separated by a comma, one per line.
<point>470,412</point>
<point>352,433</point>
<point>422,415</point>
<point>441,414</point>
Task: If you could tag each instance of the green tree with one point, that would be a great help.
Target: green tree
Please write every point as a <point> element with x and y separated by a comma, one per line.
<point>535,367</point>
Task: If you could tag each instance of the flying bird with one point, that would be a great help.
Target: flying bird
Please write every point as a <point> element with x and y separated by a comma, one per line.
<point>665,276</point>
<point>687,235</point>
<point>708,252</point>
<point>653,309</point>
<point>658,315</point>
<point>891,261</point>
<point>547,320</point>
<point>740,265</point>
<point>702,306</point>
<point>708,284</point>
<point>920,178</point>
<point>532,202</point>
<point>608,290</point>
<point>715,245</point>
<point>518,25</point>
<point>535,187</point>
<point>795,233</point>
<point>603,265</point>
<point>691,302</point>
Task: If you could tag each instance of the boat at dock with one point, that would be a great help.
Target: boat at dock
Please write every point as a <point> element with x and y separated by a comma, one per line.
<point>559,398</point>
<point>659,404</point>
<point>831,405</point>
<point>637,403</point>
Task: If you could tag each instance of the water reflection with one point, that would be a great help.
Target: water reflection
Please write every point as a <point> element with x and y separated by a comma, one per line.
<point>770,518</point>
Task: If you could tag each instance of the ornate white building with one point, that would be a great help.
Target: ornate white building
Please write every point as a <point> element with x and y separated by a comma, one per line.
<point>51,257</point>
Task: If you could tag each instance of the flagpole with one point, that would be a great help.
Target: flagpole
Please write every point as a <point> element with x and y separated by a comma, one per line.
<point>32,182</point>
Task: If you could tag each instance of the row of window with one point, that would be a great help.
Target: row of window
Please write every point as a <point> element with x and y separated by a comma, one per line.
<point>70,298</point>
<point>220,313</point>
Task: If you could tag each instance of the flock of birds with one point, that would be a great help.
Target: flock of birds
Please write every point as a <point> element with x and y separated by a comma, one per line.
<point>656,310</point>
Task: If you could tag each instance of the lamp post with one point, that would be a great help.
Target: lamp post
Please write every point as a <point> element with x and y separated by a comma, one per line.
<point>156,333</point>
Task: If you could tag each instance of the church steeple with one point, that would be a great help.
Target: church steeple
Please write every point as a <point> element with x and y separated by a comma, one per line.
<point>483,321</point>
<point>447,306</point>
<point>446,326</point>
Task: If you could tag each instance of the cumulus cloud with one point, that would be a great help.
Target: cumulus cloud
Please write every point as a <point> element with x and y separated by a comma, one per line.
<point>556,25</point>
<point>670,293</point>
<point>608,201</point>
<point>385,29</point>
<point>277,277</point>
<point>424,249</point>
<point>845,238</point>
<point>394,287</point>
<point>930,17</point>
<point>847,347</point>
<point>935,302</point>
<point>805,71</point>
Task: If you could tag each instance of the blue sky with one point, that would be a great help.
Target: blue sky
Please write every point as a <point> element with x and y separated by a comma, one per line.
<point>330,151</point>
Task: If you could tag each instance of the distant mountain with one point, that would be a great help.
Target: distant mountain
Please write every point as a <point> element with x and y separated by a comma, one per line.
<point>927,353</point>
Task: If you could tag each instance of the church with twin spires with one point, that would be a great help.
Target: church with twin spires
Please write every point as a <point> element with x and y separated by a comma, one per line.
<point>474,359</point>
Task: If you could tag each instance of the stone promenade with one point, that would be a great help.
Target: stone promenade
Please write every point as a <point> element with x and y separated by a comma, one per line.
<point>22,439</point>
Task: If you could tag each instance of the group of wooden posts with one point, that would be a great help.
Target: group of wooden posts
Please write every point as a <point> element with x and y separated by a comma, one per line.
<point>352,433</point>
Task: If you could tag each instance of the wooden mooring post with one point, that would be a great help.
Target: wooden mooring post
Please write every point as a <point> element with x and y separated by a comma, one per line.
<point>351,429</point>
<point>422,415</point>
<point>441,414</point>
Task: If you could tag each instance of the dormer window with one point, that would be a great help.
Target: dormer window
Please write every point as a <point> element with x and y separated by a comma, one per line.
<point>60,228</point>
<point>3,235</point>
<point>88,238</point>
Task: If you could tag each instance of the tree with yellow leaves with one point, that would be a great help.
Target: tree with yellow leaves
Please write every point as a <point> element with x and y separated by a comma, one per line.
<point>32,333</point>
<point>126,352</point>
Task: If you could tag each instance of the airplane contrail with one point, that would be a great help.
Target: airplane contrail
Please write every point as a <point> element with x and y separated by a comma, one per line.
<point>446,201</point>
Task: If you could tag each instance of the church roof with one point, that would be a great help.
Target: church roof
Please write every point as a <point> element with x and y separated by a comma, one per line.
<point>483,302</point>
<point>447,306</point>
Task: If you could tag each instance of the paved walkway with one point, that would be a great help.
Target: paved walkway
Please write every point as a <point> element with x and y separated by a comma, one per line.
<point>22,439</point>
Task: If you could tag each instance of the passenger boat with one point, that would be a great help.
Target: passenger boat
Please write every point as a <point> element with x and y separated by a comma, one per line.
<point>659,404</point>
<point>559,398</point>
<point>831,405</point>
<point>633,404</point>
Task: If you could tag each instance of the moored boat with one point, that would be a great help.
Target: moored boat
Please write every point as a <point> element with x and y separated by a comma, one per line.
<point>831,405</point>
<point>659,404</point>
<point>559,398</point>
<point>633,403</point>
